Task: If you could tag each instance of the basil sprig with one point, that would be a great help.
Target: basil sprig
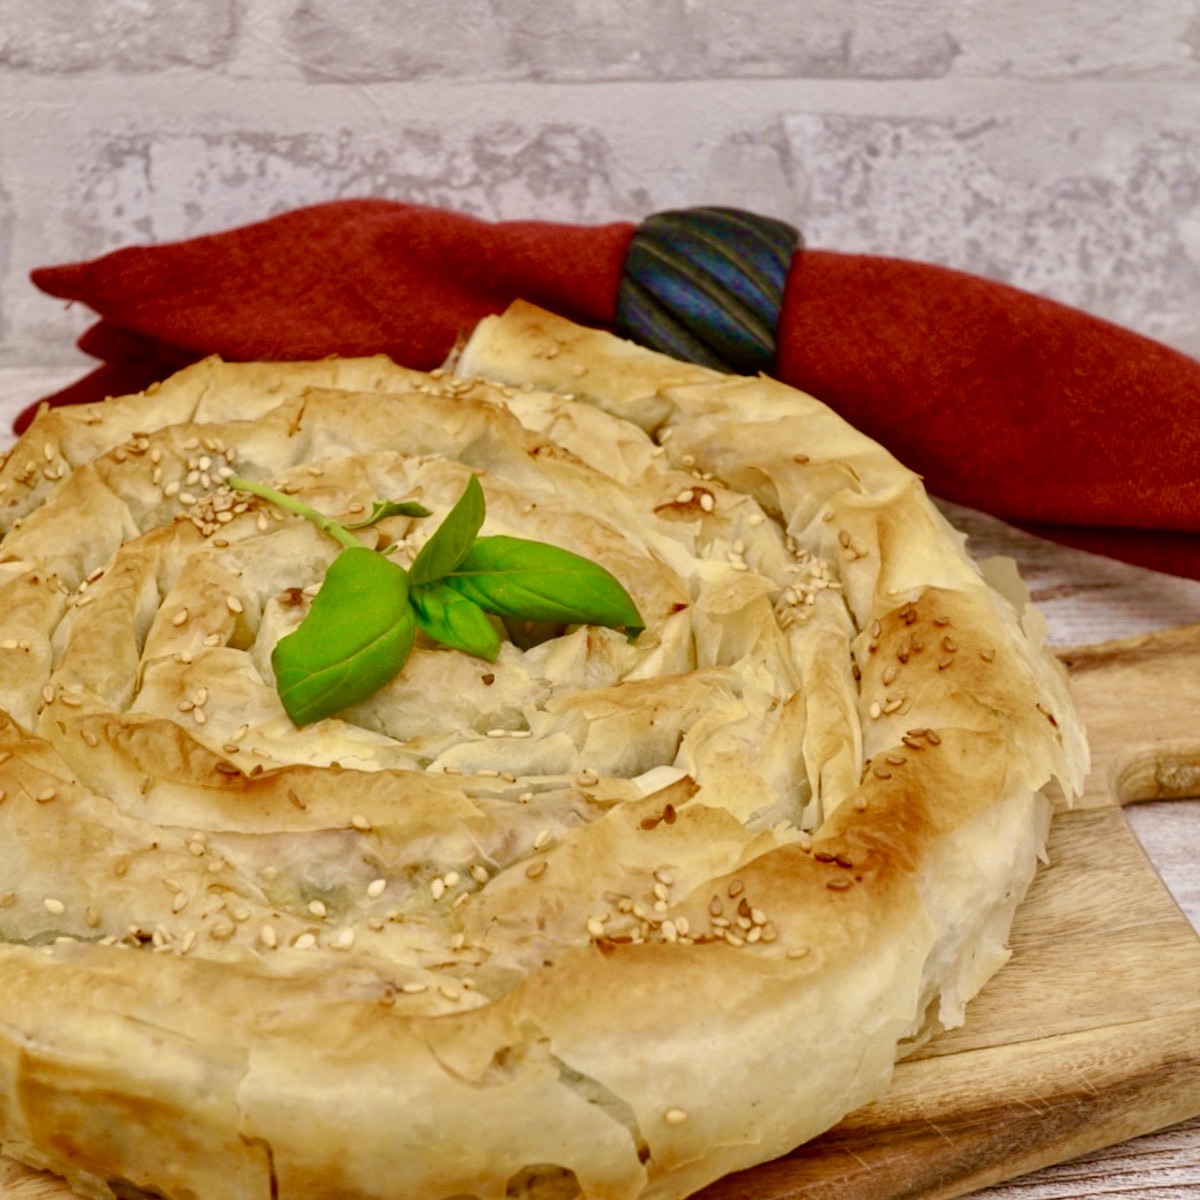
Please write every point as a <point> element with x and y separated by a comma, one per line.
<point>360,629</point>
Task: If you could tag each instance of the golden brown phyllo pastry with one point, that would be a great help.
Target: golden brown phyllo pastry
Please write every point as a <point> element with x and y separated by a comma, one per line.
<point>604,917</point>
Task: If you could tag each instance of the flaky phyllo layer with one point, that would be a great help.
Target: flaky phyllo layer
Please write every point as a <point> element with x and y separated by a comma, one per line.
<point>624,915</point>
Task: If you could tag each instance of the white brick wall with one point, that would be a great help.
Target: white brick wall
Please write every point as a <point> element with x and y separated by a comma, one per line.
<point>1050,143</point>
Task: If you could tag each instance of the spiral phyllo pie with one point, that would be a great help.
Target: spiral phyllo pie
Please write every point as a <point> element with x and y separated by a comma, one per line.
<point>606,916</point>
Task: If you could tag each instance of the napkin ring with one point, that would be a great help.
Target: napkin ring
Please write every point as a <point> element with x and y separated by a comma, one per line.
<point>706,285</point>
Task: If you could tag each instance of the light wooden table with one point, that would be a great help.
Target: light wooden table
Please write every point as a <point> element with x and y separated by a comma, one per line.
<point>1085,599</point>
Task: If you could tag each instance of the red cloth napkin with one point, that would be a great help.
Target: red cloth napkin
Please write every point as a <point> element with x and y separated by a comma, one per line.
<point>1004,401</point>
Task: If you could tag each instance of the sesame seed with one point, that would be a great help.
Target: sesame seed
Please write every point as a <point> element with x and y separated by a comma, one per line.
<point>542,839</point>
<point>535,869</point>
<point>268,937</point>
<point>414,989</point>
<point>376,888</point>
<point>675,1116</point>
<point>360,823</point>
<point>437,888</point>
<point>222,930</point>
<point>54,907</point>
<point>344,939</point>
<point>317,908</point>
<point>180,618</point>
<point>46,795</point>
<point>306,941</point>
<point>234,604</point>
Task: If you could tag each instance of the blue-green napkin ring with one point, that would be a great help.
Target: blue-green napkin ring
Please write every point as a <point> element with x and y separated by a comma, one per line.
<point>706,285</point>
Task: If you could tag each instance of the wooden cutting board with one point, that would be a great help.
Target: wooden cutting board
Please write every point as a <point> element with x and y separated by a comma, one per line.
<point>1088,1037</point>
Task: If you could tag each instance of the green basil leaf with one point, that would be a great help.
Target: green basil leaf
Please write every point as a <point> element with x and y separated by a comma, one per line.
<point>452,619</point>
<point>356,637</point>
<point>448,544</point>
<point>388,508</point>
<point>515,577</point>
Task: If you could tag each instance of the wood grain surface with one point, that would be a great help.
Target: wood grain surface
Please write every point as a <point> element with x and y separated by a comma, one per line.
<point>1091,1034</point>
